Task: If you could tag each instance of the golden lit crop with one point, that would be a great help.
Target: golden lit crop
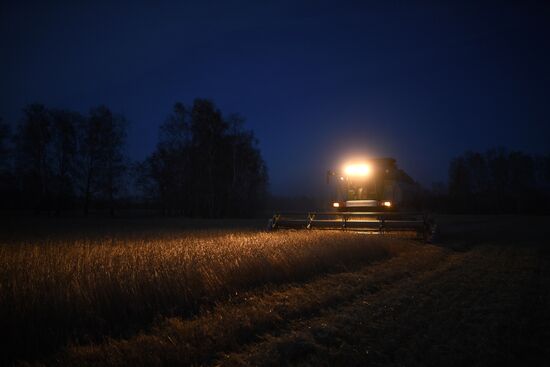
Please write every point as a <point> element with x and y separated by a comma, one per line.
<point>77,291</point>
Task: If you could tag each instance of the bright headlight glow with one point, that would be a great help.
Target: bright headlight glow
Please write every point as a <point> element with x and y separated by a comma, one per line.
<point>357,170</point>
<point>336,205</point>
<point>387,203</point>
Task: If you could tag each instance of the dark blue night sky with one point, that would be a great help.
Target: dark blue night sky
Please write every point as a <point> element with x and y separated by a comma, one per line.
<point>317,81</point>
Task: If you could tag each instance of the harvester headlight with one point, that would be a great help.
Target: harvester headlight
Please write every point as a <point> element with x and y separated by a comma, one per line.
<point>387,203</point>
<point>336,205</point>
<point>357,170</point>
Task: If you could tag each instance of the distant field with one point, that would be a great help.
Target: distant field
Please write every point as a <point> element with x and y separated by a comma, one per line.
<point>162,292</point>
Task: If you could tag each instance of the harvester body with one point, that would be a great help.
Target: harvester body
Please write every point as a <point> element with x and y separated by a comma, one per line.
<point>371,196</point>
<point>367,187</point>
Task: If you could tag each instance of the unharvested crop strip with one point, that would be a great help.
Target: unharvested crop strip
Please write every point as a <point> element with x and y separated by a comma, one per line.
<point>229,325</point>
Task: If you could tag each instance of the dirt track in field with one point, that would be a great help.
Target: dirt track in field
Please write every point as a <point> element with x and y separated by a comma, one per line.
<point>480,297</point>
<point>482,307</point>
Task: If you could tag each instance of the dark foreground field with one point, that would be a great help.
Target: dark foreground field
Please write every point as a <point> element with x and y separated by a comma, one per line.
<point>154,292</point>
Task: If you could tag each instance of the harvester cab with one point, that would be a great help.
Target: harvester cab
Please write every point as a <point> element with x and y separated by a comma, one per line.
<point>367,196</point>
<point>367,186</point>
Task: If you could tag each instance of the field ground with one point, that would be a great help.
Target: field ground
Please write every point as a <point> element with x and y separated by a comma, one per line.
<point>138,292</point>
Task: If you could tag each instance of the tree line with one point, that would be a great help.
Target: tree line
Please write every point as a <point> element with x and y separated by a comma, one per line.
<point>58,157</point>
<point>496,181</point>
<point>205,164</point>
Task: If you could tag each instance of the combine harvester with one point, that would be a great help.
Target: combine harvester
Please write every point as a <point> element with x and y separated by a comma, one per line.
<point>371,197</point>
